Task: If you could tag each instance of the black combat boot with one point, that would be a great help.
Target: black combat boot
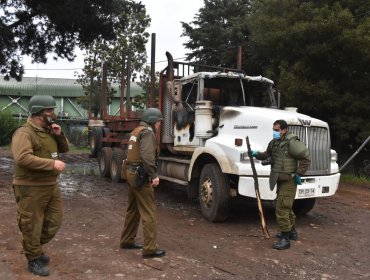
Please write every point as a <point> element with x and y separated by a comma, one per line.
<point>293,235</point>
<point>155,254</point>
<point>45,259</point>
<point>283,243</point>
<point>38,267</point>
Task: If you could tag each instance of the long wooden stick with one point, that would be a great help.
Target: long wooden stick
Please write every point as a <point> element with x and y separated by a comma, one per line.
<point>264,228</point>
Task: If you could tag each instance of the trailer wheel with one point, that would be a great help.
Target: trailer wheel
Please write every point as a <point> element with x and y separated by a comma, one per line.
<point>96,140</point>
<point>214,193</point>
<point>105,157</point>
<point>303,206</point>
<point>118,155</point>
<point>106,131</point>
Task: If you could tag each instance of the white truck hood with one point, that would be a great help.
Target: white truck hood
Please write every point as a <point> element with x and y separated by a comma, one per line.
<point>255,122</point>
<point>253,115</point>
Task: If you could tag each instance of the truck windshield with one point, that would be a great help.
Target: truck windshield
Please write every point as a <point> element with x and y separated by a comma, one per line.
<point>224,91</point>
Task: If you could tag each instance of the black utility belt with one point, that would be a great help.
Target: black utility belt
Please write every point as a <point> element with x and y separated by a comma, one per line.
<point>133,167</point>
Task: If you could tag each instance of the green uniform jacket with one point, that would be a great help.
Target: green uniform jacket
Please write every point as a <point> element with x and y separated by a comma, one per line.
<point>34,151</point>
<point>143,149</point>
<point>289,156</point>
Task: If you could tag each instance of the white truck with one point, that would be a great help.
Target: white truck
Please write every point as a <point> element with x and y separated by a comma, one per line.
<point>207,117</point>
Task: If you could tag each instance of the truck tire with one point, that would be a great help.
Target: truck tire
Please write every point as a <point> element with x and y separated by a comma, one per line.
<point>192,190</point>
<point>96,140</point>
<point>106,131</point>
<point>214,193</point>
<point>105,158</point>
<point>118,155</point>
<point>303,206</point>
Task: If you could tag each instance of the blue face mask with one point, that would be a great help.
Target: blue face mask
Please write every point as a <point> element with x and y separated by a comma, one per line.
<point>276,135</point>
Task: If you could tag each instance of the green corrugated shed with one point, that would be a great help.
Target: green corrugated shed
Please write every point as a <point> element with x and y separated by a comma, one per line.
<point>50,86</point>
<point>41,86</point>
<point>15,96</point>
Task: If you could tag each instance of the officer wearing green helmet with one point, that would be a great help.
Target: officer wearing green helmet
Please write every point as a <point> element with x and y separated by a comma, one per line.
<point>290,159</point>
<point>36,146</point>
<point>142,153</point>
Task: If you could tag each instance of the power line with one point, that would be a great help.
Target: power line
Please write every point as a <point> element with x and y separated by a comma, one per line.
<point>162,61</point>
<point>70,69</point>
<point>53,69</point>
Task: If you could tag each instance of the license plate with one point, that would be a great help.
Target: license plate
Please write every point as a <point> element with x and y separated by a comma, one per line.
<point>309,192</point>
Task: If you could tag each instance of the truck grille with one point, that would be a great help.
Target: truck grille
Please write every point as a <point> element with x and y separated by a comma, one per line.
<point>318,142</point>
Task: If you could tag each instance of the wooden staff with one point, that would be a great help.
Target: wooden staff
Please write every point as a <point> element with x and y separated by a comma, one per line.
<point>257,190</point>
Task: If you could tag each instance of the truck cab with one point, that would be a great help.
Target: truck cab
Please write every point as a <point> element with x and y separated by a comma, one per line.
<point>209,114</point>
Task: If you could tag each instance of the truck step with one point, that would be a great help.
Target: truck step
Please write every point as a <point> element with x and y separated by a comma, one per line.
<point>174,180</point>
<point>173,159</point>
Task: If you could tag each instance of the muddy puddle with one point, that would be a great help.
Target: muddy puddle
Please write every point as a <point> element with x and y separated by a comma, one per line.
<point>6,165</point>
<point>84,169</point>
<point>79,177</point>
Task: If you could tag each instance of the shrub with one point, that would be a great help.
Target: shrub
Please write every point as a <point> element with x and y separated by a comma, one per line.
<point>7,126</point>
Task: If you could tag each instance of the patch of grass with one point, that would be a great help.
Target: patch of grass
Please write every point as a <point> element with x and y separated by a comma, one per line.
<point>353,179</point>
<point>79,150</point>
<point>5,147</point>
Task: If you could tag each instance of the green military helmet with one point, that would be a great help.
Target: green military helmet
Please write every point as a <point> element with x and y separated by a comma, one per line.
<point>151,115</point>
<point>41,102</point>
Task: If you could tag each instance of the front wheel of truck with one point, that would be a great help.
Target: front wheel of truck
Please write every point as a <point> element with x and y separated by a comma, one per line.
<point>303,206</point>
<point>214,193</point>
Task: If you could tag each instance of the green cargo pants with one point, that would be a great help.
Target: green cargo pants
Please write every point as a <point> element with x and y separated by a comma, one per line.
<point>141,205</point>
<point>39,217</point>
<point>285,216</point>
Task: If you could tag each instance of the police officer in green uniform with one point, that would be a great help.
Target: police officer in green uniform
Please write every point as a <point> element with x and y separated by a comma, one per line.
<point>142,152</point>
<point>36,146</point>
<point>290,159</point>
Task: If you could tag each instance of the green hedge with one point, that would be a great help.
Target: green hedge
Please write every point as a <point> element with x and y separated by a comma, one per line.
<point>7,126</point>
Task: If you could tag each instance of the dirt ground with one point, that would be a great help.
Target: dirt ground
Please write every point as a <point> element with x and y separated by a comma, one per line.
<point>333,239</point>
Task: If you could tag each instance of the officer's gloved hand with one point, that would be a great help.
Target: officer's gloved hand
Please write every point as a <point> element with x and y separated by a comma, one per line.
<point>297,179</point>
<point>252,153</point>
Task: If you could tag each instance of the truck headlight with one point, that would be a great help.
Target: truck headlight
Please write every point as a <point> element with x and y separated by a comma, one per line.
<point>333,155</point>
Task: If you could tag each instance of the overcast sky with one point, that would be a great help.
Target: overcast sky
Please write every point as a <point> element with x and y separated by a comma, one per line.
<point>166,18</point>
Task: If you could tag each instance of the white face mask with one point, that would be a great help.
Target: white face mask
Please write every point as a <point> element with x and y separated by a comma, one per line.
<point>276,135</point>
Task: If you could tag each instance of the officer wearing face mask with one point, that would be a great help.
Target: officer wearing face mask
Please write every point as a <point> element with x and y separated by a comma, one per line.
<point>290,159</point>
<point>36,146</point>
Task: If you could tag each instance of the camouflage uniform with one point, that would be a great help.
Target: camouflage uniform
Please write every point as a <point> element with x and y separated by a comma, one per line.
<point>35,185</point>
<point>289,156</point>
